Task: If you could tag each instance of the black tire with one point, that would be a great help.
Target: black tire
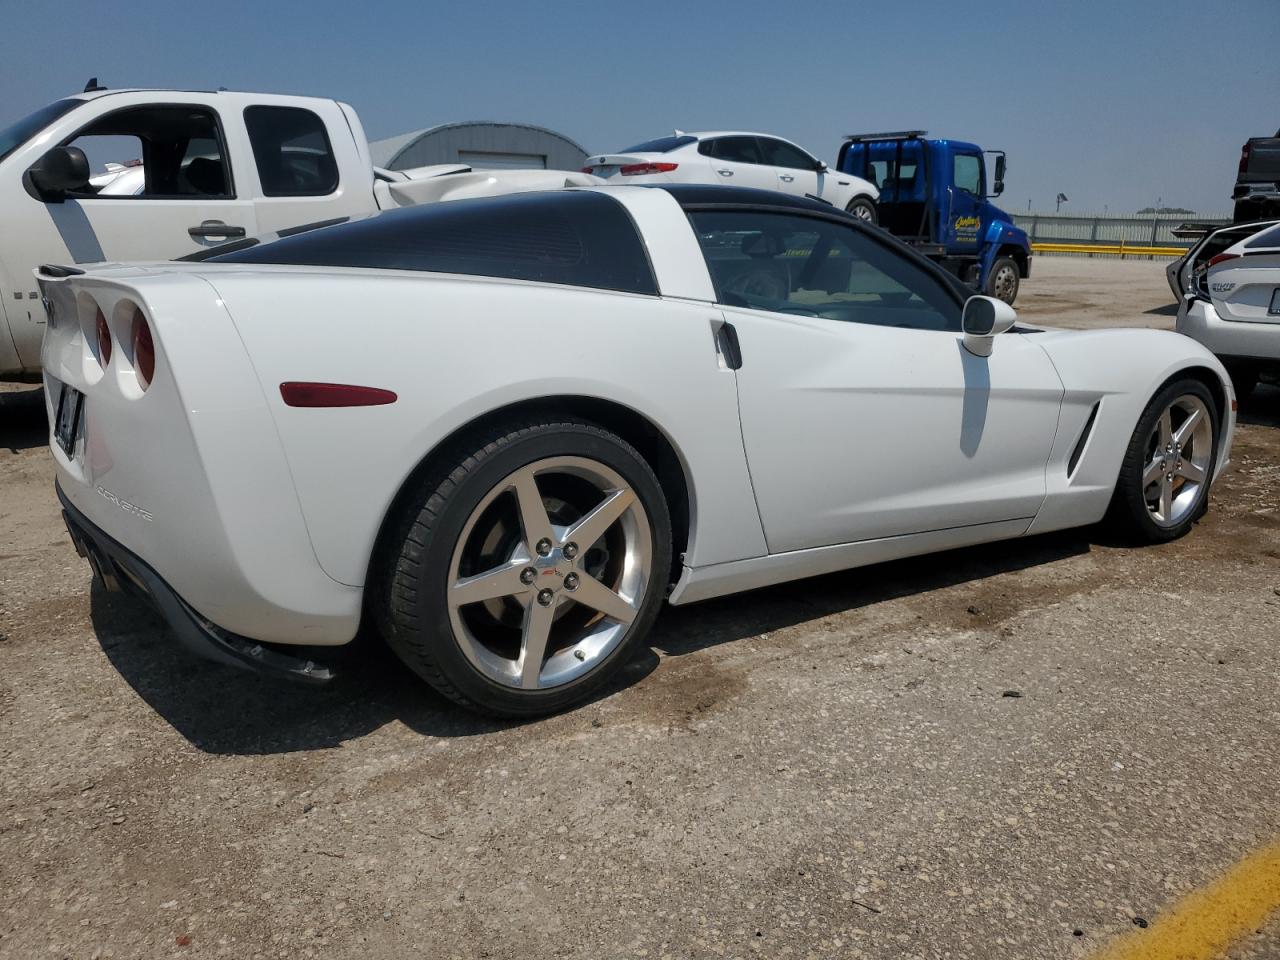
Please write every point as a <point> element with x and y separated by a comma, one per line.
<point>410,602</point>
<point>1244,378</point>
<point>1003,279</point>
<point>864,209</point>
<point>1128,514</point>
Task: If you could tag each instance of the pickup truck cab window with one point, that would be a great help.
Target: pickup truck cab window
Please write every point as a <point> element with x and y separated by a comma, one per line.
<point>176,151</point>
<point>813,266</point>
<point>292,152</point>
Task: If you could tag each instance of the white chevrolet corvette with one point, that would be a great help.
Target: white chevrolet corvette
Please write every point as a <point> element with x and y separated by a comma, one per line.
<point>506,430</point>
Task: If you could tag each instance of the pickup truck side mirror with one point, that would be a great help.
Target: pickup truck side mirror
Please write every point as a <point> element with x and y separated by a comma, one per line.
<point>61,171</point>
<point>997,187</point>
<point>982,320</point>
<point>821,166</point>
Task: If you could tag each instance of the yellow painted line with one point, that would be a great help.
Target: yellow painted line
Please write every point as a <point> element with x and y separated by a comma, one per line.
<point>1208,920</point>
<point>1122,250</point>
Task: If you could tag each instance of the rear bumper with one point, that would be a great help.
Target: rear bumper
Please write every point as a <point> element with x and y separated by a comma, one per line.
<point>1265,190</point>
<point>120,569</point>
<point>1199,320</point>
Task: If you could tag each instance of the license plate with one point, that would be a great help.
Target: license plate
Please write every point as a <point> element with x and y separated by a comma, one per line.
<point>1274,309</point>
<point>67,424</point>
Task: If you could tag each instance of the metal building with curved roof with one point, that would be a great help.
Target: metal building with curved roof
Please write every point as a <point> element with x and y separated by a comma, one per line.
<point>485,145</point>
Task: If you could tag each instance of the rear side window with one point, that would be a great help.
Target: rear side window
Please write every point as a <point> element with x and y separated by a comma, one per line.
<point>732,149</point>
<point>1269,239</point>
<point>660,145</point>
<point>579,239</point>
<point>778,153</point>
<point>292,151</point>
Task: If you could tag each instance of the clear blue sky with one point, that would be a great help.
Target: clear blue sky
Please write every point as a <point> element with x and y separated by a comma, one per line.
<point>1113,103</point>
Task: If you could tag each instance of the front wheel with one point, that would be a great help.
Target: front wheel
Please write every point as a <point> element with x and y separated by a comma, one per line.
<point>863,209</point>
<point>1002,281</point>
<point>528,568</point>
<point>1163,487</point>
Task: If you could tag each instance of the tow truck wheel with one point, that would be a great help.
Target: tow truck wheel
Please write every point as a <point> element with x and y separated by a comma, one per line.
<point>863,209</point>
<point>1002,281</point>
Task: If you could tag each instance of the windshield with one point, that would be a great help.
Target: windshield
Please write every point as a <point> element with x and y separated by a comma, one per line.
<point>12,137</point>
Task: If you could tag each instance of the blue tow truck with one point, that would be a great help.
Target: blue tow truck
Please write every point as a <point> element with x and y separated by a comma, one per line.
<point>933,195</point>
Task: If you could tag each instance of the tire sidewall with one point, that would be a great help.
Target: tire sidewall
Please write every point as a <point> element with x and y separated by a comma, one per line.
<point>1131,489</point>
<point>543,441</point>
<point>856,202</point>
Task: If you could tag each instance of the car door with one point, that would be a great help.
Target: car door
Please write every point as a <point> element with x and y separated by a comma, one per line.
<point>190,198</point>
<point>963,228</point>
<point>797,172</point>
<point>735,162</point>
<point>863,416</point>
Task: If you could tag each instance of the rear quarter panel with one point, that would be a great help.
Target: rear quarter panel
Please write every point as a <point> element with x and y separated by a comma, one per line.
<point>196,457</point>
<point>454,349</point>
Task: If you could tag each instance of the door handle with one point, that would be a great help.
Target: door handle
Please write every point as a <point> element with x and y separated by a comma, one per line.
<point>786,177</point>
<point>728,346</point>
<point>214,228</point>
<point>725,173</point>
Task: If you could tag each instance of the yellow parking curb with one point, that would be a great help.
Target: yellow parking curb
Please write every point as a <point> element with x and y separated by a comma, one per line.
<point>1208,920</point>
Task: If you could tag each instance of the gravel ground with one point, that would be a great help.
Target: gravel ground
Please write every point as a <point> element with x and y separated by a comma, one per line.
<point>1010,751</point>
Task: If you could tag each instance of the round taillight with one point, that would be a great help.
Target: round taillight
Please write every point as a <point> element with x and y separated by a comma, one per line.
<point>144,350</point>
<point>104,339</point>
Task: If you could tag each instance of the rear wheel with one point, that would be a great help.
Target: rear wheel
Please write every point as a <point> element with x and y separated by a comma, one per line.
<point>1163,487</point>
<point>523,577</point>
<point>863,209</point>
<point>1002,281</point>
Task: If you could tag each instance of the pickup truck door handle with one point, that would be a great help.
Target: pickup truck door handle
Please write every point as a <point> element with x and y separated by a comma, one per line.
<point>214,228</point>
<point>786,177</point>
<point>725,173</point>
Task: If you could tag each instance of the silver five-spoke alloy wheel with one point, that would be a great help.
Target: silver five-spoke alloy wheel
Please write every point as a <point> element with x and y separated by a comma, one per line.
<point>549,572</point>
<point>1178,460</point>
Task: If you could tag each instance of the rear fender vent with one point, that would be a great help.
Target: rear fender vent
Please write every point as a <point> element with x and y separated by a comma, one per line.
<point>1078,451</point>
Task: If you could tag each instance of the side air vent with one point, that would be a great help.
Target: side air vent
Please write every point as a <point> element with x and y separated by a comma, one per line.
<point>1083,441</point>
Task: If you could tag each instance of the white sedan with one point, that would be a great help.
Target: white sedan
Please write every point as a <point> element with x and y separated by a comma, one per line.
<point>506,430</point>
<point>1232,301</point>
<point>737,159</point>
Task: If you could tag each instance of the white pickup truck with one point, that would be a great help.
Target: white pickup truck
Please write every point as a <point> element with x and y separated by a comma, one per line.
<point>120,175</point>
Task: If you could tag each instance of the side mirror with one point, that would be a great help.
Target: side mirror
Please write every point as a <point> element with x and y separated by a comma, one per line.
<point>821,166</point>
<point>983,318</point>
<point>61,171</point>
<point>997,187</point>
